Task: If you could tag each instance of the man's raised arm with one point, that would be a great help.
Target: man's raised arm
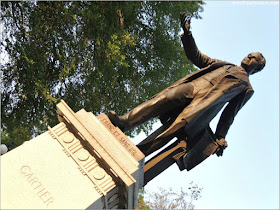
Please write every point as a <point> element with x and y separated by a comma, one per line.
<point>191,50</point>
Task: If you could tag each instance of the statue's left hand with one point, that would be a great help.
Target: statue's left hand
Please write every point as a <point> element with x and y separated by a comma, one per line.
<point>222,145</point>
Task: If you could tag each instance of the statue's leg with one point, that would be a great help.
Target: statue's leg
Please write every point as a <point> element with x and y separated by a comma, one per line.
<point>164,137</point>
<point>176,97</point>
<point>164,159</point>
<point>149,142</point>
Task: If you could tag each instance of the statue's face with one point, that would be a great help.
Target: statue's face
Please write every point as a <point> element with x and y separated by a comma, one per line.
<point>251,63</point>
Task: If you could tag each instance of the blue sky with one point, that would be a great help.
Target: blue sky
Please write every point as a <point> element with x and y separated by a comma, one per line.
<point>247,175</point>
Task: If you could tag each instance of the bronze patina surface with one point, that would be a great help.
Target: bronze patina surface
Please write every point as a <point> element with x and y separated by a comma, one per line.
<point>186,108</point>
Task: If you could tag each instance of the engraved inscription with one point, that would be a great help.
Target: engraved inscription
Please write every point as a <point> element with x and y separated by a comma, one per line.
<point>122,139</point>
<point>132,151</point>
<point>36,185</point>
<point>109,126</point>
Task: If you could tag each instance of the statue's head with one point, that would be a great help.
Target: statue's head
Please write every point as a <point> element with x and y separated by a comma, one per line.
<point>253,63</point>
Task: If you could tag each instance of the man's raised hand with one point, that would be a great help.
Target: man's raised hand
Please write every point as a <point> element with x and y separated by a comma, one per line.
<point>185,23</point>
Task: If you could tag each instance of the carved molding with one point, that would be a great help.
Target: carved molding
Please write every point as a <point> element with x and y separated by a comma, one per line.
<point>87,164</point>
<point>117,158</point>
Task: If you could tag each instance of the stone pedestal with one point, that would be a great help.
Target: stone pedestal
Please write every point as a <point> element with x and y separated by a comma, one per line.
<point>84,162</point>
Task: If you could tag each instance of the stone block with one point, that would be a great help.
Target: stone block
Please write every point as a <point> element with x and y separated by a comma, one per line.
<point>84,162</point>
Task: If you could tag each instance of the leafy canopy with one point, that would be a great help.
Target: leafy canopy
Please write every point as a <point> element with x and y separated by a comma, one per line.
<point>94,55</point>
<point>169,198</point>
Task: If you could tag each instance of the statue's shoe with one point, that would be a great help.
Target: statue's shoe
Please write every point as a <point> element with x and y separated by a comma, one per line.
<point>118,121</point>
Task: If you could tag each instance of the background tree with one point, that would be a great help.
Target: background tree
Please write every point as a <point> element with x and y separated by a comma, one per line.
<point>169,199</point>
<point>94,55</point>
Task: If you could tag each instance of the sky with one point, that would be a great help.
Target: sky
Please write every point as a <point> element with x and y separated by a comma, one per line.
<point>247,175</point>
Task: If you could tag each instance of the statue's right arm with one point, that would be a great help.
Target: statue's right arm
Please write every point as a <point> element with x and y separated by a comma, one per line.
<point>191,50</point>
<point>193,53</point>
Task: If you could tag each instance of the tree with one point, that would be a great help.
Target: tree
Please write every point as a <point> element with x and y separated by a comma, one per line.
<point>169,199</point>
<point>94,55</point>
<point>141,204</point>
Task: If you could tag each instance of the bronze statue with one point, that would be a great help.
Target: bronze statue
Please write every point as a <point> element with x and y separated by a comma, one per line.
<point>186,107</point>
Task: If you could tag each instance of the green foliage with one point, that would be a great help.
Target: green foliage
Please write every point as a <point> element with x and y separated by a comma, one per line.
<point>94,55</point>
<point>141,204</point>
<point>169,199</point>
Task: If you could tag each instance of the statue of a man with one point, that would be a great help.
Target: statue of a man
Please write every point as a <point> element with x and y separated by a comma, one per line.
<point>189,104</point>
